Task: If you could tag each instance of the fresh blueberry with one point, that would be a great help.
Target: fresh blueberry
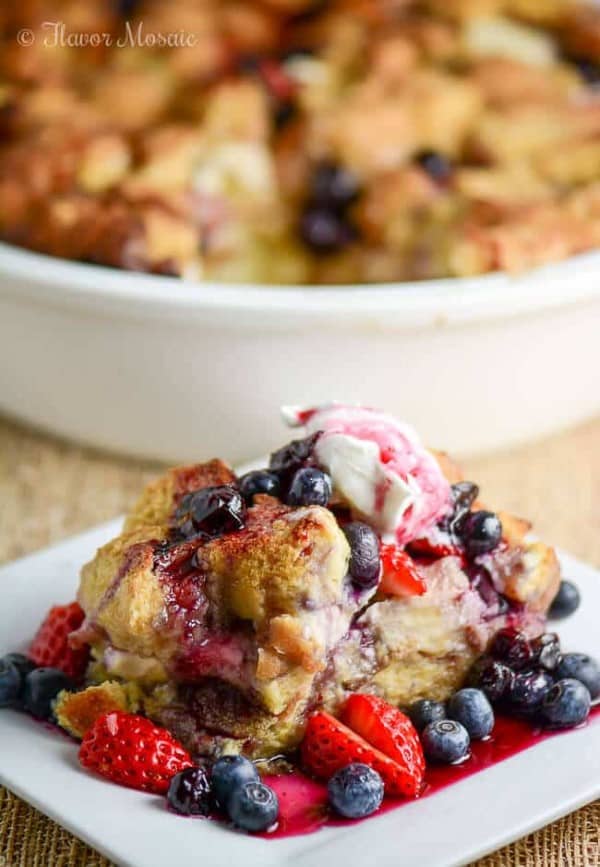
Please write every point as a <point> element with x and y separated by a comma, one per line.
<point>565,602</point>
<point>566,704</point>
<point>230,772</point>
<point>259,482</point>
<point>546,650</point>
<point>471,708</point>
<point>435,164</point>
<point>324,231</point>
<point>425,711</point>
<point>21,662</point>
<point>493,677</point>
<point>512,647</point>
<point>333,187</point>
<point>528,691</point>
<point>310,487</point>
<point>480,532</point>
<point>10,684</point>
<point>299,453</point>
<point>212,511</point>
<point>445,741</point>
<point>41,688</point>
<point>253,806</point>
<point>581,667</point>
<point>355,791</point>
<point>189,793</point>
<point>365,564</point>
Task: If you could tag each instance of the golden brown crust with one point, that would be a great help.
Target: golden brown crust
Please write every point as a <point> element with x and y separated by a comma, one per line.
<point>76,712</point>
<point>206,171</point>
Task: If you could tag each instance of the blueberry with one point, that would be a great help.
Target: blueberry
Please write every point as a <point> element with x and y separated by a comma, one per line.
<point>230,772</point>
<point>355,791</point>
<point>10,684</point>
<point>425,711</point>
<point>445,741</point>
<point>512,647</point>
<point>21,662</point>
<point>493,677</point>
<point>435,164</point>
<point>566,704</point>
<point>528,690</point>
<point>41,688</point>
<point>546,650</point>
<point>365,563</point>
<point>189,793</point>
<point>253,806</point>
<point>285,461</point>
<point>565,602</point>
<point>309,487</point>
<point>471,708</point>
<point>259,482</point>
<point>581,667</point>
<point>325,231</point>
<point>214,511</point>
<point>333,187</point>
<point>480,532</point>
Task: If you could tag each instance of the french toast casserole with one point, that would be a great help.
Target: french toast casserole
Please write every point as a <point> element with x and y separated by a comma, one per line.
<point>292,141</point>
<point>229,609</point>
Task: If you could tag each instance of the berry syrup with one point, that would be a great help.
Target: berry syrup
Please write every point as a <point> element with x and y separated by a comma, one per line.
<point>303,802</point>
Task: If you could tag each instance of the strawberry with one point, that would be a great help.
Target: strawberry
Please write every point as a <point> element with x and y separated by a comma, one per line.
<point>329,745</point>
<point>50,647</point>
<point>400,575</point>
<point>390,731</point>
<point>130,750</point>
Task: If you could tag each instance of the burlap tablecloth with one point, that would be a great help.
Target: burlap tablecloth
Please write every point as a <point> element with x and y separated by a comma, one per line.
<point>49,490</point>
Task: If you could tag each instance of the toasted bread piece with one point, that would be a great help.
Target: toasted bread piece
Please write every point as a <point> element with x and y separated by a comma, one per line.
<point>76,712</point>
<point>258,609</point>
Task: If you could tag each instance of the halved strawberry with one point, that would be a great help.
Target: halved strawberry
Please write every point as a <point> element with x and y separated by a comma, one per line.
<point>329,745</point>
<point>131,750</point>
<point>50,646</point>
<point>390,731</point>
<point>400,575</point>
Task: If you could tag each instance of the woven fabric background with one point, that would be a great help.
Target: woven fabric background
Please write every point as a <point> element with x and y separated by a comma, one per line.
<point>49,490</point>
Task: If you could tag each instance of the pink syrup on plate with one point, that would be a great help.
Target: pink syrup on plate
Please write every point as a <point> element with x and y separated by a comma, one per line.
<point>303,802</point>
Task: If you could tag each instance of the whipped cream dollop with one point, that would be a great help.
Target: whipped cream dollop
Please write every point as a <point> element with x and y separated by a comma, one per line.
<point>379,467</point>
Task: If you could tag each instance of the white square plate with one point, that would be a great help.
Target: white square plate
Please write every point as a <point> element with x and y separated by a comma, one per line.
<point>452,827</point>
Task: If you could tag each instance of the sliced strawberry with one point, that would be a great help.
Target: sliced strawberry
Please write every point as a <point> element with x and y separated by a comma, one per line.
<point>329,745</point>
<point>400,574</point>
<point>130,750</point>
<point>50,646</point>
<point>390,731</point>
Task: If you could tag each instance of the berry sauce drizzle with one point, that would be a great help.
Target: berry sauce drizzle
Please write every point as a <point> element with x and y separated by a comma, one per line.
<point>303,802</point>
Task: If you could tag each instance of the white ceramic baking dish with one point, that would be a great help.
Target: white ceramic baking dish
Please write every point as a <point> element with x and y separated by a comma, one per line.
<point>161,368</point>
